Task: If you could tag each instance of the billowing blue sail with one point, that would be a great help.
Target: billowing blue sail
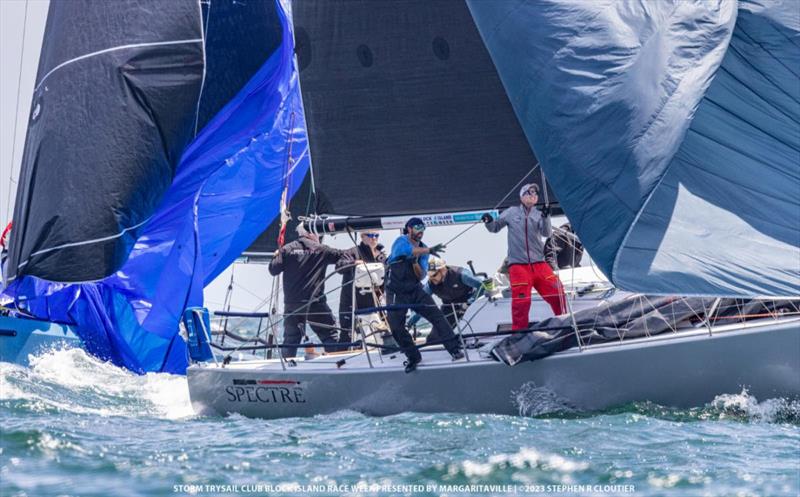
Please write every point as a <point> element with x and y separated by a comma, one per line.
<point>669,130</point>
<point>226,190</point>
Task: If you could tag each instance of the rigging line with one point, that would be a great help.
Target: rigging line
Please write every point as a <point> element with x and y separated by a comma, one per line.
<point>246,290</point>
<point>16,113</point>
<point>226,306</point>
<point>514,188</point>
<point>204,34</point>
<point>458,235</point>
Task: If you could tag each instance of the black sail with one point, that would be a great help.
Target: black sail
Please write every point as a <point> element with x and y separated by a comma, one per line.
<point>114,105</point>
<point>404,108</point>
<point>240,36</point>
<point>122,87</point>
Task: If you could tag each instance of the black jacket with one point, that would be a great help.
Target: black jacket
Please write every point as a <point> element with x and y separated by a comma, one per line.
<point>346,267</point>
<point>563,249</point>
<point>303,263</point>
<point>451,290</point>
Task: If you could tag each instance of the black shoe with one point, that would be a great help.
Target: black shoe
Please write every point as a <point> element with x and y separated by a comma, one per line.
<point>458,354</point>
<point>411,364</point>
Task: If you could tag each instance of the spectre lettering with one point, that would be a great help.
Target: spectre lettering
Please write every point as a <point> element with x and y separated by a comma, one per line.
<point>265,394</point>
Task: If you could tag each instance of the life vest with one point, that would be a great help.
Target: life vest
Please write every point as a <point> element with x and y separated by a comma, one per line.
<point>401,277</point>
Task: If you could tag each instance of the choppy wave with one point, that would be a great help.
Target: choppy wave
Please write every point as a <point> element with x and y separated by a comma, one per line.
<point>73,425</point>
<point>71,380</point>
<point>534,401</point>
<point>524,459</point>
<point>742,407</point>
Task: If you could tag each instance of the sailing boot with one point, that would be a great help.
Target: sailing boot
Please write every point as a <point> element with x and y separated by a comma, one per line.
<point>413,360</point>
<point>411,365</point>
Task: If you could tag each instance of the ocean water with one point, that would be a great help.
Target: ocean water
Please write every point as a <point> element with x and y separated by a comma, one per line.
<point>73,426</point>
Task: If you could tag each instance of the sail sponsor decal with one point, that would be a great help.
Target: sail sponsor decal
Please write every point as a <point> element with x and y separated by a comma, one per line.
<point>446,219</point>
<point>266,391</point>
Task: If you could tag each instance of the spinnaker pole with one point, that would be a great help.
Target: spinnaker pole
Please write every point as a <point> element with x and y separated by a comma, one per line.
<point>329,225</point>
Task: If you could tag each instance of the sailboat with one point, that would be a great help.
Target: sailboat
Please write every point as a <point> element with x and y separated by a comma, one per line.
<point>139,116</point>
<point>637,114</point>
<point>204,130</point>
<point>365,110</point>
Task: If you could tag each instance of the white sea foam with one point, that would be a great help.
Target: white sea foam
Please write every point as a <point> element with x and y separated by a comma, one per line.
<point>525,458</point>
<point>74,381</point>
<point>745,405</point>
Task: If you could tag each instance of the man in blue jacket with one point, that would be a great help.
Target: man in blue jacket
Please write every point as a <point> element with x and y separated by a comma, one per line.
<point>407,265</point>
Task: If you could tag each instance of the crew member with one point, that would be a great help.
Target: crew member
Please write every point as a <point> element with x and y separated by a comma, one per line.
<point>563,249</point>
<point>407,264</point>
<point>527,267</point>
<point>455,286</point>
<point>368,251</point>
<point>303,263</point>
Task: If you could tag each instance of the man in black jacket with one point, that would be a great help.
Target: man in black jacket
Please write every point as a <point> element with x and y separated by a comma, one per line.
<point>563,249</point>
<point>455,286</point>
<point>369,250</point>
<point>303,263</point>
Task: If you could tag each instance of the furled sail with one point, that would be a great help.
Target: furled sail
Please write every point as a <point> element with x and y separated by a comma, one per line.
<point>405,111</point>
<point>669,130</point>
<point>225,191</point>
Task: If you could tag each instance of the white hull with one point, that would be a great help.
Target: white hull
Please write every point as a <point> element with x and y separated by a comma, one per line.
<point>683,369</point>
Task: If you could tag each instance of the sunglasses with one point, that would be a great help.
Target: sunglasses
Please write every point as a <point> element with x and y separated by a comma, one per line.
<point>419,227</point>
<point>371,235</point>
<point>531,192</point>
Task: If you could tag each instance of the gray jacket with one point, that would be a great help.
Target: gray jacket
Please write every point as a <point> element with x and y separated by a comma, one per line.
<point>525,234</point>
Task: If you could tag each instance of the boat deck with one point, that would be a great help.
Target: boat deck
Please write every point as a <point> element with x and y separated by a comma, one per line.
<point>436,356</point>
<point>357,359</point>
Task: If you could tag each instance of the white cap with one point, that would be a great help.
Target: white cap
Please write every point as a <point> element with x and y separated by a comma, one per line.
<point>526,188</point>
<point>435,263</point>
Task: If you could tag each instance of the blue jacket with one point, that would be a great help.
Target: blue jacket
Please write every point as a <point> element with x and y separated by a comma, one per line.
<point>401,276</point>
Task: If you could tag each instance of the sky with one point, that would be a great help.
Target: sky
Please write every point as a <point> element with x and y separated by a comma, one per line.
<point>14,82</point>
<point>252,283</point>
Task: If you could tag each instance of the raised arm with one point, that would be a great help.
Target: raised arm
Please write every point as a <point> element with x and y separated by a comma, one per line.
<point>347,260</point>
<point>276,264</point>
<point>495,225</point>
<point>333,255</point>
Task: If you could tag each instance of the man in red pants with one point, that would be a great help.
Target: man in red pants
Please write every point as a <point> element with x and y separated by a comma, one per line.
<point>526,262</point>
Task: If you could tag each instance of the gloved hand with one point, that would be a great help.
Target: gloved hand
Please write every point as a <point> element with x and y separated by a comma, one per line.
<point>487,218</point>
<point>437,249</point>
<point>545,210</point>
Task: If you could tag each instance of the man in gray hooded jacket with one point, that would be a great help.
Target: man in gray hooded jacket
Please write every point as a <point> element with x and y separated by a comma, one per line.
<point>526,259</point>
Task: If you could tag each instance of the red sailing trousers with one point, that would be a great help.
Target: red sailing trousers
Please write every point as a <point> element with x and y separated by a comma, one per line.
<point>540,276</point>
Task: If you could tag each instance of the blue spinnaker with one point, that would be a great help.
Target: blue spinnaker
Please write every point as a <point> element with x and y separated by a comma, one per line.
<point>226,191</point>
<point>669,130</point>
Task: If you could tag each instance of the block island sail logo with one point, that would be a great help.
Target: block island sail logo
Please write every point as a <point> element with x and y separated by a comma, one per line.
<point>266,391</point>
